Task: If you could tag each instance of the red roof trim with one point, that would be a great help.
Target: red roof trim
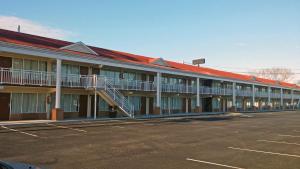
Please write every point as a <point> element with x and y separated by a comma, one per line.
<point>55,44</point>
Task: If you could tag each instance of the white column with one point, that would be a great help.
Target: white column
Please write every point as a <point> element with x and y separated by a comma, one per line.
<point>48,106</point>
<point>58,84</point>
<point>281,98</point>
<point>187,85</point>
<point>224,104</point>
<point>147,105</point>
<point>158,89</point>
<point>49,70</point>
<point>88,114</point>
<point>169,105</point>
<point>269,96</point>
<point>198,92</point>
<point>234,94</point>
<point>292,92</point>
<point>186,105</point>
<point>95,105</point>
<point>253,95</point>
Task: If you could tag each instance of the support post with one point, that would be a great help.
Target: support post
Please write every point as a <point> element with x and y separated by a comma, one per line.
<point>158,94</point>
<point>281,99</point>
<point>253,98</point>
<point>186,105</point>
<point>147,105</point>
<point>292,92</point>
<point>95,105</point>
<point>169,105</point>
<point>57,112</point>
<point>198,105</point>
<point>269,98</point>
<point>233,97</point>
<point>88,114</point>
<point>224,100</point>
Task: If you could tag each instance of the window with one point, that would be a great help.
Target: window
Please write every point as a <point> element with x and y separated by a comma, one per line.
<point>17,64</point>
<point>193,103</point>
<point>16,101</point>
<point>67,69</point>
<point>216,103</point>
<point>103,105</point>
<point>27,64</point>
<point>28,102</point>
<point>164,103</point>
<point>70,102</point>
<point>136,102</point>
<point>176,104</point>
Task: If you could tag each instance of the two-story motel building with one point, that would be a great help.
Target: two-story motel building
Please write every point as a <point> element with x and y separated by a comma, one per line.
<point>43,78</point>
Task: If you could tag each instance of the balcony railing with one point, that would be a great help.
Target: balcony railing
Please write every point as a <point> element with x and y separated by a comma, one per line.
<point>215,91</point>
<point>287,96</point>
<point>244,93</point>
<point>275,95</point>
<point>261,94</point>
<point>37,78</point>
<point>42,78</point>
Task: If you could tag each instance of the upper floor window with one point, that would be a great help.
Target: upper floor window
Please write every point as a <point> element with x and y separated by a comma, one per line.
<point>27,64</point>
<point>67,69</point>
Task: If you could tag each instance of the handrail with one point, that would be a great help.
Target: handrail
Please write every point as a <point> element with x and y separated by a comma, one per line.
<point>115,94</point>
<point>43,78</point>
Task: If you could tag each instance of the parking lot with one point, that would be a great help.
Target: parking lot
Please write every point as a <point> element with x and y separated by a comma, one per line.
<point>254,141</point>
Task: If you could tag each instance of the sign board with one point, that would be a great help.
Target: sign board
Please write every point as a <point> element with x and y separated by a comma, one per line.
<point>198,61</point>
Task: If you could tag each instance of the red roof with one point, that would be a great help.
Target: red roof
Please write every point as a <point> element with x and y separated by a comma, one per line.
<point>55,44</point>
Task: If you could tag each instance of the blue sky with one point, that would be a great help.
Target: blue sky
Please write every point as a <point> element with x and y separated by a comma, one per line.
<point>234,35</point>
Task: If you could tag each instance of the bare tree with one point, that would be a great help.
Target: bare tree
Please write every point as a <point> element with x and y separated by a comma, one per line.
<point>280,74</point>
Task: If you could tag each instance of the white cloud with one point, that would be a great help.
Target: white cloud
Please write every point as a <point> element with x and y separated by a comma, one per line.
<point>31,27</point>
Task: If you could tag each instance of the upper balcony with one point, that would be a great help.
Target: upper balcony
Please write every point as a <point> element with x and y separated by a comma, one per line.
<point>36,78</point>
<point>42,78</point>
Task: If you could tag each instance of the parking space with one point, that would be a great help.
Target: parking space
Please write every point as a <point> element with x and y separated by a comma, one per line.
<point>257,141</point>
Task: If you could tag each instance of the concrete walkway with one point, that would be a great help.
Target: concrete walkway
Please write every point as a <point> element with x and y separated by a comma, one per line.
<point>206,115</point>
<point>7,123</point>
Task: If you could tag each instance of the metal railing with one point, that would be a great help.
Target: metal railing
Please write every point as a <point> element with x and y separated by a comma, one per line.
<point>42,78</point>
<point>244,93</point>
<point>123,103</point>
<point>287,96</point>
<point>37,78</point>
<point>261,94</point>
<point>275,95</point>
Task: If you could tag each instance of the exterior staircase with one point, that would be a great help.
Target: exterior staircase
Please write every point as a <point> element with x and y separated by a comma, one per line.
<point>105,88</point>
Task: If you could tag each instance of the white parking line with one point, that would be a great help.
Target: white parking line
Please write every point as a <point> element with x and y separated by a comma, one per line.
<point>121,127</point>
<point>265,152</point>
<point>33,135</point>
<point>216,164</point>
<point>279,142</point>
<point>64,127</point>
<point>285,135</point>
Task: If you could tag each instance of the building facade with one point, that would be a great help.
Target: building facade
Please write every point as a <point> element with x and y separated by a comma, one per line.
<point>43,78</point>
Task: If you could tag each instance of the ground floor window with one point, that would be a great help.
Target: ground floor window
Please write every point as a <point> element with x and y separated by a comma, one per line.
<point>193,103</point>
<point>216,103</point>
<point>175,104</point>
<point>103,105</point>
<point>28,102</point>
<point>229,103</point>
<point>164,104</point>
<point>239,103</point>
<point>70,102</point>
<point>135,101</point>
